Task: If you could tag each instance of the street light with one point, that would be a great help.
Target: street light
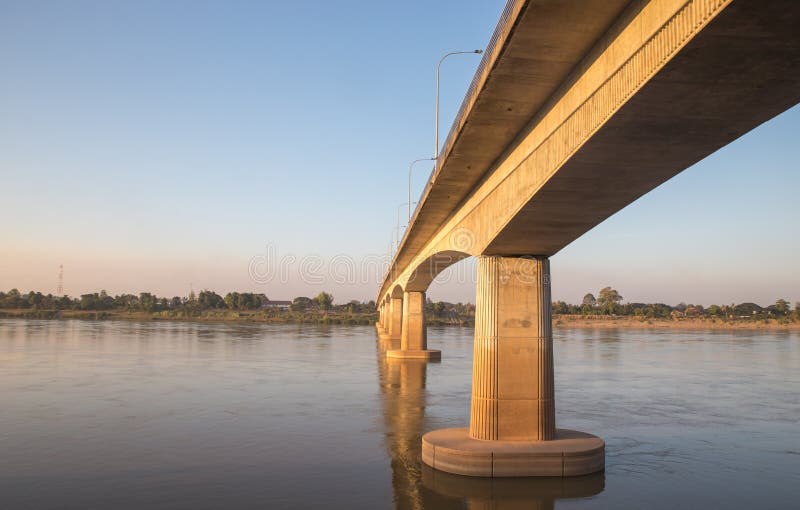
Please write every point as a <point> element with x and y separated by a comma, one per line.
<point>397,228</point>
<point>436,149</point>
<point>411,167</point>
<point>438,69</point>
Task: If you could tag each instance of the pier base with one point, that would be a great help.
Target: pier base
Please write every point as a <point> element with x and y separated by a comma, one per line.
<point>414,354</point>
<point>571,453</point>
<point>414,337</point>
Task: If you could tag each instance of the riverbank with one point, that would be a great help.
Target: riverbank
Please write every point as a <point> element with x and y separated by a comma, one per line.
<point>255,316</point>
<point>317,317</point>
<point>693,323</point>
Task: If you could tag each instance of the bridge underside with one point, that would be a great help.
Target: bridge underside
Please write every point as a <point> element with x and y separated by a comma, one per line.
<point>537,44</point>
<point>738,72</point>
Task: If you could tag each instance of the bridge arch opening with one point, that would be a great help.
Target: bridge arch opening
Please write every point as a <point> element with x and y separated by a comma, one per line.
<point>397,292</point>
<point>430,268</point>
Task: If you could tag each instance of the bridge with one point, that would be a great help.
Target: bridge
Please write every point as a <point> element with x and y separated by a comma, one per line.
<point>578,108</point>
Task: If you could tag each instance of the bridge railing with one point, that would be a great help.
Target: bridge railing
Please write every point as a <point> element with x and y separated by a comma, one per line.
<point>487,58</point>
<point>466,104</point>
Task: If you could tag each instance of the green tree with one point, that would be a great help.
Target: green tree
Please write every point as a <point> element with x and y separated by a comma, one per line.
<point>782,307</point>
<point>148,302</point>
<point>89,301</point>
<point>210,299</point>
<point>353,307</point>
<point>12,300</point>
<point>251,301</point>
<point>105,302</point>
<point>127,301</point>
<point>324,300</point>
<point>588,303</point>
<point>608,299</point>
<point>232,300</point>
<point>35,299</point>
<point>65,303</point>
<point>560,307</point>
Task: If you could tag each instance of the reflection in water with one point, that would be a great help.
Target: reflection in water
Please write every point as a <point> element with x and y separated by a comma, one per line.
<point>511,493</point>
<point>402,384</point>
<point>417,486</point>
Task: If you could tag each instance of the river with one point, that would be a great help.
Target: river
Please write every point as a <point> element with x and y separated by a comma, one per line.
<point>178,415</point>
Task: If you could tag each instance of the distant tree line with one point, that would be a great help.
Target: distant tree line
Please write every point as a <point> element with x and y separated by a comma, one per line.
<point>442,312</point>
<point>149,302</point>
<point>609,302</point>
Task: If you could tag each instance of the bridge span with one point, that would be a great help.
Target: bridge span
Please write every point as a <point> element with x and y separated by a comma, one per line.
<point>578,108</point>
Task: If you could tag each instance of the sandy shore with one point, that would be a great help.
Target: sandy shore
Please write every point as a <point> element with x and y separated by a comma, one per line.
<point>559,321</point>
<point>606,321</point>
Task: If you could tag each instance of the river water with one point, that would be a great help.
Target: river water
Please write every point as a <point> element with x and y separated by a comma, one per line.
<point>186,415</point>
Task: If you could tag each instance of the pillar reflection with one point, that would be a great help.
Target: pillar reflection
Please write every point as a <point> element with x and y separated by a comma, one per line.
<point>417,486</point>
<point>403,395</point>
<point>540,493</point>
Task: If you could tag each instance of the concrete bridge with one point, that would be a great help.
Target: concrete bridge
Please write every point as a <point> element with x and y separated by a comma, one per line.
<point>578,108</point>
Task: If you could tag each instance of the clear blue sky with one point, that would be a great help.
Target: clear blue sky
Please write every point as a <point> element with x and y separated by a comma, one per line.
<point>149,145</point>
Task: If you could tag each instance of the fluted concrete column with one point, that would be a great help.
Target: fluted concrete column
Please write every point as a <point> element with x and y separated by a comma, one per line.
<point>512,374</point>
<point>395,317</point>
<point>414,338</point>
<point>512,428</point>
<point>379,322</point>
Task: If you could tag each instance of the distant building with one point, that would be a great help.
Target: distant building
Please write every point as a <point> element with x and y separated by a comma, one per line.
<point>283,305</point>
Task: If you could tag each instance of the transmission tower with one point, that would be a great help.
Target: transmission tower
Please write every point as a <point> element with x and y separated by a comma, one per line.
<point>60,290</point>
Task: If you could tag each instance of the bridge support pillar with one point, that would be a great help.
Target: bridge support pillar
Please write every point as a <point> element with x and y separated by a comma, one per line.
<point>379,323</point>
<point>394,318</point>
<point>414,338</point>
<point>512,421</point>
<point>383,321</point>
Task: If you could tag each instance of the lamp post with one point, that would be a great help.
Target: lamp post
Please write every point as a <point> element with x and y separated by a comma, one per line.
<point>436,149</point>
<point>438,69</point>
<point>397,228</point>
<point>410,168</point>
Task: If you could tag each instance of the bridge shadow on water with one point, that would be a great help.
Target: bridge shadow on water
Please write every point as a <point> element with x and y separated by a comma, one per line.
<point>417,486</point>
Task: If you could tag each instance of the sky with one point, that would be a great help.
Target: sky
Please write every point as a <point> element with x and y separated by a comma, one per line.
<point>263,146</point>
